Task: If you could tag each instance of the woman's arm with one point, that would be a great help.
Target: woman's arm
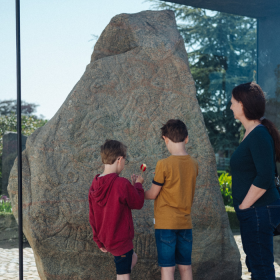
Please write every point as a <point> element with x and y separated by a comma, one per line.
<point>251,197</point>
<point>261,148</point>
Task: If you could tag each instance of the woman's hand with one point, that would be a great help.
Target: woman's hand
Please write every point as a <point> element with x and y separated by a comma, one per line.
<point>103,250</point>
<point>252,196</point>
<point>241,207</point>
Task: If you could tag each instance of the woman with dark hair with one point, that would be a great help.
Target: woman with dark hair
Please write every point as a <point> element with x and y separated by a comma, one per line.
<point>253,166</point>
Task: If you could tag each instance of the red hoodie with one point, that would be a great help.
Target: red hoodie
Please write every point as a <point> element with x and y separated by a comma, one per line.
<point>111,199</point>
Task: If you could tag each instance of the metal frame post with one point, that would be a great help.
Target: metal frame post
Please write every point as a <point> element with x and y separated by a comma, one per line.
<point>20,242</point>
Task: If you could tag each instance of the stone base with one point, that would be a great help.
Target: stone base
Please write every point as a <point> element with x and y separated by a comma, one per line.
<point>8,227</point>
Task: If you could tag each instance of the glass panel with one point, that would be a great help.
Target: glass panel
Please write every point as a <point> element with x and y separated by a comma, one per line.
<point>57,40</point>
<point>56,45</point>
<point>222,51</point>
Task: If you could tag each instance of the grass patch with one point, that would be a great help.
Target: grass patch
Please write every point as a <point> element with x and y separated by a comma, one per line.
<point>233,221</point>
<point>6,213</point>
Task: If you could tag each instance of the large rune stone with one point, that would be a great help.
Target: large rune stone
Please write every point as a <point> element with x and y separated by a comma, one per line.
<point>138,78</point>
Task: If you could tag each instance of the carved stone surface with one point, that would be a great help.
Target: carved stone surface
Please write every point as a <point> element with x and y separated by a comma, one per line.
<point>9,155</point>
<point>137,79</point>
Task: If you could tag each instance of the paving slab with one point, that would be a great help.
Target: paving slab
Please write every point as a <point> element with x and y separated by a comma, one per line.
<point>9,261</point>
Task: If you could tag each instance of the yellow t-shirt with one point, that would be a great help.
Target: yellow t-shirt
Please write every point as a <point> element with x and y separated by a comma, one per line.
<point>172,207</point>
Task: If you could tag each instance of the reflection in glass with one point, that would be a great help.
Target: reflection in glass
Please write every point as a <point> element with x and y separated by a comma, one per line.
<point>222,51</point>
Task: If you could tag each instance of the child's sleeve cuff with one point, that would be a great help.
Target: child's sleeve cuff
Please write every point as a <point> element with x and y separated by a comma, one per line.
<point>156,183</point>
<point>99,244</point>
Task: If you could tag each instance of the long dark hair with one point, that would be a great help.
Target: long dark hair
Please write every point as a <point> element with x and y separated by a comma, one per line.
<point>253,100</point>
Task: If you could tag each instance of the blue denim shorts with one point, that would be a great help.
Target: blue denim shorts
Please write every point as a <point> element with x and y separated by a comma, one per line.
<point>174,246</point>
<point>123,263</point>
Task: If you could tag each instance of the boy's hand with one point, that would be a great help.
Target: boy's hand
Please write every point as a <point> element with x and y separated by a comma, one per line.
<point>133,179</point>
<point>139,179</point>
<point>103,250</point>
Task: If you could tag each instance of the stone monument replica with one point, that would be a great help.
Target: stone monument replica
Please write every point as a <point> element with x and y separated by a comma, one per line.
<point>137,79</point>
<point>9,155</point>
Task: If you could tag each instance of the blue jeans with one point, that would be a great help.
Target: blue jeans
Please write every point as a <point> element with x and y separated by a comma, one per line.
<point>257,225</point>
<point>174,246</point>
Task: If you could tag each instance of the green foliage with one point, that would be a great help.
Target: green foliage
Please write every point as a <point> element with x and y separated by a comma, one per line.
<point>5,206</point>
<point>225,181</point>
<point>229,209</point>
<point>28,125</point>
<point>9,107</point>
<point>220,172</point>
<point>222,54</point>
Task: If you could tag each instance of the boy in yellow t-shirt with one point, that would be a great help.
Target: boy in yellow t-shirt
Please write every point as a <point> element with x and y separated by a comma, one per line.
<point>173,189</point>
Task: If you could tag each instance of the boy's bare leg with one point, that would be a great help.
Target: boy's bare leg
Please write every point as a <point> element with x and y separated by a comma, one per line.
<point>185,272</point>
<point>167,273</point>
<point>134,260</point>
<point>123,276</point>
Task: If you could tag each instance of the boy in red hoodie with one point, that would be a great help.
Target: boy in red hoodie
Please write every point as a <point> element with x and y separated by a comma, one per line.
<point>111,199</point>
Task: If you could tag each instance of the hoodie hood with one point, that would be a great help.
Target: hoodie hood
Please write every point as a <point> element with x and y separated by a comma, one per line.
<point>101,187</point>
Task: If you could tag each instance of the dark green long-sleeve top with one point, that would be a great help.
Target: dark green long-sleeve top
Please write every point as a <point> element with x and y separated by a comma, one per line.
<point>253,163</point>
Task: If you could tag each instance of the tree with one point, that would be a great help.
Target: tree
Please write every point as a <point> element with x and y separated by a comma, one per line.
<point>9,107</point>
<point>222,54</point>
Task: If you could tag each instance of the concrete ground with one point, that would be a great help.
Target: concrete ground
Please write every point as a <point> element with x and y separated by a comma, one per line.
<point>9,261</point>
<point>245,273</point>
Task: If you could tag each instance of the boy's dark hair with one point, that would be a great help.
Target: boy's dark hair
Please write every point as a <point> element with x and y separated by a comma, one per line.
<point>111,150</point>
<point>175,130</point>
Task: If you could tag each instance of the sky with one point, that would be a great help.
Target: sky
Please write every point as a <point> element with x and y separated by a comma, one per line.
<point>55,46</point>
